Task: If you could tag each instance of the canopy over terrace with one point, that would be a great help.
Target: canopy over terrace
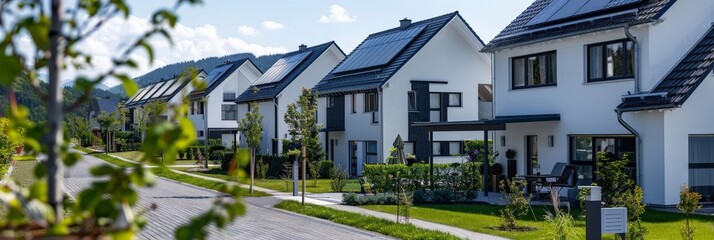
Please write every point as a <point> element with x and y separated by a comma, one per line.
<point>498,123</point>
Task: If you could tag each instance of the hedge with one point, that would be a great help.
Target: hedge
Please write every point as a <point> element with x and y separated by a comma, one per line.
<point>275,167</point>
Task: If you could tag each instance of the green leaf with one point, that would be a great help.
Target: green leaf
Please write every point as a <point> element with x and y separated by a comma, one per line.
<point>130,87</point>
<point>149,50</point>
<point>40,32</point>
<point>102,170</point>
<point>11,67</point>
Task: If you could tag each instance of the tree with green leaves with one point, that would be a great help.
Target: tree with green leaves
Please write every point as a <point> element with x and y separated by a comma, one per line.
<point>109,123</point>
<point>148,114</point>
<point>302,124</point>
<point>106,207</point>
<point>252,126</point>
<point>80,130</point>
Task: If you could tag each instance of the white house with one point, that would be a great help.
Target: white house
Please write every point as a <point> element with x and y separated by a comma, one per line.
<point>213,110</point>
<point>172,91</point>
<point>622,77</point>
<point>426,71</point>
<point>282,84</point>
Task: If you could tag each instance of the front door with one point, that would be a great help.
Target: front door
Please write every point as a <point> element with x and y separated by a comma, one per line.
<point>353,158</point>
<point>531,156</point>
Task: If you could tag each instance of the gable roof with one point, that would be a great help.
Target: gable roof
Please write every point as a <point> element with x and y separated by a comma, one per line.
<point>519,32</point>
<point>371,79</point>
<point>103,105</point>
<point>234,65</point>
<point>681,81</point>
<point>270,90</point>
<point>161,93</point>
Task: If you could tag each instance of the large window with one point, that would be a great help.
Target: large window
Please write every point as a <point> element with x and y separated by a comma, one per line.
<point>412,101</point>
<point>434,107</point>
<point>534,70</point>
<point>583,155</point>
<point>371,152</point>
<point>701,165</point>
<point>370,102</point>
<point>610,61</point>
<point>447,148</point>
<point>228,112</point>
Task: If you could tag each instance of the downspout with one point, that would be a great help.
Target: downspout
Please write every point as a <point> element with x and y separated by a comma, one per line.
<point>638,138</point>
<point>380,97</point>
<point>277,140</point>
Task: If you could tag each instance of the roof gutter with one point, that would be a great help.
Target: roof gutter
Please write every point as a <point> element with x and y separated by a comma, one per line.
<point>638,145</point>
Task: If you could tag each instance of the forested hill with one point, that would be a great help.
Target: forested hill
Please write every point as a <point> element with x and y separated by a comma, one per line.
<point>207,64</point>
<point>26,96</point>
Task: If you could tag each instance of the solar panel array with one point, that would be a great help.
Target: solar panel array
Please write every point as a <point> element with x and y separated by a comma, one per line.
<point>163,88</point>
<point>216,73</point>
<point>173,88</point>
<point>131,99</point>
<point>156,90</point>
<point>153,90</point>
<point>378,50</point>
<point>282,68</point>
<point>562,9</point>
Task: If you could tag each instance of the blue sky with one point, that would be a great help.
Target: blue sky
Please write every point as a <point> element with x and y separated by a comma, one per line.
<point>301,19</point>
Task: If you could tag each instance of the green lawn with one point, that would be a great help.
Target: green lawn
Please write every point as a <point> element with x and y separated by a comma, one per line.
<point>136,156</point>
<point>389,228</point>
<point>24,158</point>
<point>176,176</point>
<point>24,173</point>
<point>479,218</point>
<point>323,185</point>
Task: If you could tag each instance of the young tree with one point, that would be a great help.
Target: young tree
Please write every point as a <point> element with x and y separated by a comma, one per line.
<point>79,128</point>
<point>110,122</point>
<point>252,128</point>
<point>303,129</point>
<point>56,33</point>
<point>149,113</point>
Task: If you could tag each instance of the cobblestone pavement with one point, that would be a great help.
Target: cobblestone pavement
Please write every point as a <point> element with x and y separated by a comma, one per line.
<point>178,202</point>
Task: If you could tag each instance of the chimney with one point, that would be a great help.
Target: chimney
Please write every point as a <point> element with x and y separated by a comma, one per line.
<point>302,47</point>
<point>404,23</point>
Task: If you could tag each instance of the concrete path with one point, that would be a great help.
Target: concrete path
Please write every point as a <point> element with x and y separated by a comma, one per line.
<point>178,202</point>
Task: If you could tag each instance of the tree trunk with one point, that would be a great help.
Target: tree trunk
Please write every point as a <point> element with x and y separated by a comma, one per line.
<point>304,171</point>
<point>55,112</point>
<point>252,168</point>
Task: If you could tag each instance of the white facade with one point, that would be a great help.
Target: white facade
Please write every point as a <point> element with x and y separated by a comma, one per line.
<point>587,109</point>
<point>273,111</point>
<point>210,121</point>
<point>449,63</point>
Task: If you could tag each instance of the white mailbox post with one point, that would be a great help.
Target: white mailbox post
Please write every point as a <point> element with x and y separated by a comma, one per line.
<point>614,220</point>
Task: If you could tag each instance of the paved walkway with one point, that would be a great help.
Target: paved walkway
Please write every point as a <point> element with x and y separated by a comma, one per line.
<point>178,202</point>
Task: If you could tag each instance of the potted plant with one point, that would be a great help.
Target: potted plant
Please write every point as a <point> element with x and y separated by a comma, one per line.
<point>495,170</point>
<point>411,159</point>
<point>511,162</point>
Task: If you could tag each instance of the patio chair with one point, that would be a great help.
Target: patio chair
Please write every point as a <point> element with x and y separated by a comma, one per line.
<point>556,172</point>
<point>564,180</point>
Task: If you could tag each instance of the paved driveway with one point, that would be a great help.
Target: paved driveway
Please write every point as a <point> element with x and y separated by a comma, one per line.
<point>178,202</point>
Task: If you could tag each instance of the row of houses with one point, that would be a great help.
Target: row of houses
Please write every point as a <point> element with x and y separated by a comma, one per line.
<point>563,81</point>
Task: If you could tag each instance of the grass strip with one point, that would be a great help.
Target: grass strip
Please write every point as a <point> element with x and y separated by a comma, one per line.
<point>369,223</point>
<point>165,173</point>
<point>24,158</point>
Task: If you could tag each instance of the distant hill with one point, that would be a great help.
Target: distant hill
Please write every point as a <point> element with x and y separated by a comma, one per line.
<point>98,86</point>
<point>207,64</point>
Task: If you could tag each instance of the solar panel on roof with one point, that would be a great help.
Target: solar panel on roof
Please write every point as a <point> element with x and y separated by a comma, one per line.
<point>163,88</point>
<point>143,94</point>
<point>153,90</point>
<point>378,50</point>
<point>562,9</point>
<point>173,88</point>
<point>282,68</point>
<point>135,95</point>
<point>216,73</point>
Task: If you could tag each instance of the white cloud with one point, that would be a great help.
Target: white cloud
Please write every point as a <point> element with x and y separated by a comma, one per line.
<point>338,14</point>
<point>190,43</point>
<point>247,31</point>
<point>271,25</point>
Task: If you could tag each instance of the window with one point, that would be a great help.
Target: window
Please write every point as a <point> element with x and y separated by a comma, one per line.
<point>412,101</point>
<point>434,107</point>
<point>228,112</point>
<point>370,102</point>
<point>371,152</point>
<point>354,103</point>
<point>330,102</point>
<point>455,148</point>
<point>534,71</point>
<point>610,61</point>
<point>454,100</point>
<point>436,148</point>
<point>229,96</point>
<point>584,150</point>
<point>701,165</point>
<point>200,108</point>
<point>199,133</point>
<point>408,148</point>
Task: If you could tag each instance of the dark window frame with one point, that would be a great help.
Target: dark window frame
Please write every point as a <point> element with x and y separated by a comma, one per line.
<point>549,64</point>
<point>461,99</point>
<point>446,153</point>
<point>200,133</point>
<point>354,103</point>
<point>593,163</point>
<point>224,111</point>
<point>441,104</point>
<point>367,105</point>
<point>330,102</point>
<point>603,61</point>
<point>227,96</point>
<point>412,101</point>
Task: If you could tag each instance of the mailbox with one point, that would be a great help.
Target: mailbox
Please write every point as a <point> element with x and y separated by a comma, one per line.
<point>614,220</point>
<point>595,194</point>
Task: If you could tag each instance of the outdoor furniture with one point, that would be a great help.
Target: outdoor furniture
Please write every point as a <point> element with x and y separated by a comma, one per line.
<point>564,180</point>
<point>539,182</point>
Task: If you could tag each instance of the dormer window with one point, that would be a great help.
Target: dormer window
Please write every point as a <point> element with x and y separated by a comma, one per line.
<point>535,70</point>
<point>610,61</point>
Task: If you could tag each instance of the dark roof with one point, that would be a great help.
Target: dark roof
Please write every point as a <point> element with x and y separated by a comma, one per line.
<point>162,96</point>
<point>234,66</point>
<point>498,123</point>
<point>681,81</point>
<point>271,90</point>
<point>372,79</point>
<point>518,31</point>
<point>103,105</point>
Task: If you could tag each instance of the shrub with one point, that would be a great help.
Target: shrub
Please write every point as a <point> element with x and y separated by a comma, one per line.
<point>217,155</point>
<point>377,199</point>
<point>443,195</point>
<point>261,168</point>
<point>314,169</point>
<point>635,208</point>
<point>275,164</point>
<point>517,204</point>
<point>338,178</point>
<point>688,204</point>
<point>420,196</point>
<point>226,161</point>
<point>613,178</point>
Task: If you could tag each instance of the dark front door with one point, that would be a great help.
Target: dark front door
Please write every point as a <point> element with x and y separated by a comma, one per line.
<point>531,156</point>
<point>332,149</point>
<point>353,158</point>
